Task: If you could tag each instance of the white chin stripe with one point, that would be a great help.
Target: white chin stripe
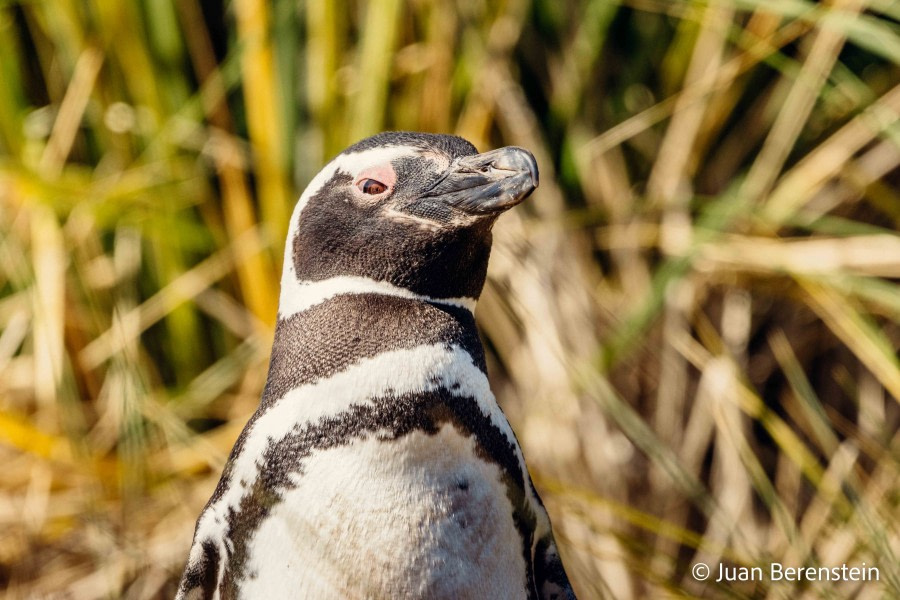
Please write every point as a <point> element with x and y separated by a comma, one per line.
<point>297,296</point>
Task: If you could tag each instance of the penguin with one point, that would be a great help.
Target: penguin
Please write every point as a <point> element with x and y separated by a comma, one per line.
<point>378,463</point>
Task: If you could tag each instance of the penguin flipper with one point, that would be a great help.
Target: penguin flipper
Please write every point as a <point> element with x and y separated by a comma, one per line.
<point>550,577</point>
<point>201,575</point>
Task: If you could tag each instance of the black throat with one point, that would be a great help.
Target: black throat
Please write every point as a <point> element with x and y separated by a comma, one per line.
<point>328,337</point>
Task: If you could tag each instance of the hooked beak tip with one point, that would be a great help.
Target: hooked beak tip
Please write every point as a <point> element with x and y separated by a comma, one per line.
<point>491,182</point>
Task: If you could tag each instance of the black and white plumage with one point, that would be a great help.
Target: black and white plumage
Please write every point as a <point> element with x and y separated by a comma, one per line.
<point>378,464</point>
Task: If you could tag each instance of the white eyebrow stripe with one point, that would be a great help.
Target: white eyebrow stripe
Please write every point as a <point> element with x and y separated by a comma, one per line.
<point>297,296</point>
<point>351,164</point>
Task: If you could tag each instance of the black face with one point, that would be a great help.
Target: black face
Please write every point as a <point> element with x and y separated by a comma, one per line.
<point>412,209</point>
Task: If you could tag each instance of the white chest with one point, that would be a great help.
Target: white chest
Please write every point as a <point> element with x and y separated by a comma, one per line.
<point>417,516</point>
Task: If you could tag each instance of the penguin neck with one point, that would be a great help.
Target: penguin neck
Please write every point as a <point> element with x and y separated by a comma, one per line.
<point>298,296</point>
<point>330,335</point>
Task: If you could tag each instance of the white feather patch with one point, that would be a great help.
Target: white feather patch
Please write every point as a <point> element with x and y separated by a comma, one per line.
<point>405,371</point>
<point>297,296</point>
<point>421,516</point>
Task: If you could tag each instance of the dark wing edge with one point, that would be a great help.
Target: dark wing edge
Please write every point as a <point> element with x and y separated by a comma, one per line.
<point>550,577</point>
<point>201,575</point>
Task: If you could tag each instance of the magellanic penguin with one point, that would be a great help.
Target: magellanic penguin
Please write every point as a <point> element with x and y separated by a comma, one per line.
<point>379,464</point>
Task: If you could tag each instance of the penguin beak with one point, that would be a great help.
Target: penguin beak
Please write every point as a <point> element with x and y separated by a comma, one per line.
<point>487,183</point>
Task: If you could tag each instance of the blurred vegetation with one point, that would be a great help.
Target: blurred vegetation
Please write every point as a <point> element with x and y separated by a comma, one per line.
<point>693,325</point>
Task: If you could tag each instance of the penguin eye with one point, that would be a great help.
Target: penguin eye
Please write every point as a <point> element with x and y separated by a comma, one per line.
<point>377,180</point>
<point>371,187</point>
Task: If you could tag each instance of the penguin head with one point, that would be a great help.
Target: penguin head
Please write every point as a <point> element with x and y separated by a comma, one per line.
<point>409,210</point>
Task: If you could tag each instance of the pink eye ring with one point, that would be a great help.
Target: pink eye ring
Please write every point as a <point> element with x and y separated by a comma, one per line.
<point>372,187</point>
<point>376,180</point>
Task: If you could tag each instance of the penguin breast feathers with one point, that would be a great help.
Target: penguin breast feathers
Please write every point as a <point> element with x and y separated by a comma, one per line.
<point>378,463</point>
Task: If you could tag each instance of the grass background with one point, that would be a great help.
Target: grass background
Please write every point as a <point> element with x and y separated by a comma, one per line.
<point>693,325</point>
